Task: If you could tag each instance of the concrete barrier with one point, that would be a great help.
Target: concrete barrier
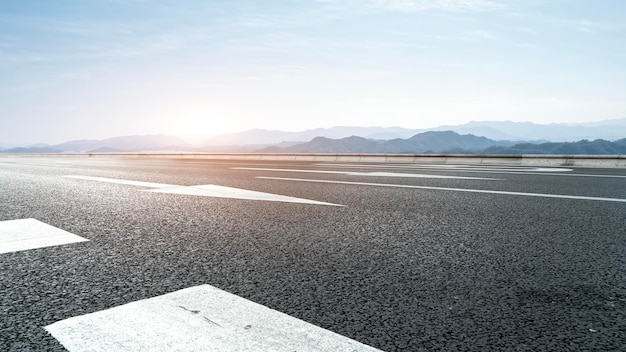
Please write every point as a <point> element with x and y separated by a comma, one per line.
<point>597,161</point>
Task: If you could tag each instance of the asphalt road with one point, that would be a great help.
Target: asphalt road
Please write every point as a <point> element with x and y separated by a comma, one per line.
<point>396,267</point>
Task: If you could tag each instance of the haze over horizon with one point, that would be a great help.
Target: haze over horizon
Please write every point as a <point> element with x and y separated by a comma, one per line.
<point>92,70</point>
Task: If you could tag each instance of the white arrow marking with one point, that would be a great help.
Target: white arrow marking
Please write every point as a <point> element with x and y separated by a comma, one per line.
<point>370,174</point>
<point>122,182</point>
<point>200,318</point>
<point>24,234</point>
<point>207,191</point>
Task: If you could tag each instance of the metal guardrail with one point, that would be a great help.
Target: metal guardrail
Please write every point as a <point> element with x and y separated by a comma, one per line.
<point>599,161</point>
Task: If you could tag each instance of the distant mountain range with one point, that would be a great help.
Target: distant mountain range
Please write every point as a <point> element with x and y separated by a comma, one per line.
<point>448,142</point>
<point>497,137</point>
<point>427,142</point>
<point>596,147</point>
<point>526,131</point>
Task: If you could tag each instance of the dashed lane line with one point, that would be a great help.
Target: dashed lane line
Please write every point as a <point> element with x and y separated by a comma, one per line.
<point>206,191</point>
<point>25,234</point>
<point>369,174</point>
<point>199,318</point>
<point>454,167</point>
<point>542,172</point>
<point>542,195</point>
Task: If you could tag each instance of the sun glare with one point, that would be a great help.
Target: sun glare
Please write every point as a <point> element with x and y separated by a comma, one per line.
<point>201,124</point>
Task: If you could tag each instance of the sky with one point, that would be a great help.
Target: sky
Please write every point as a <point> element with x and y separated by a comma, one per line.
<point>93,69</point>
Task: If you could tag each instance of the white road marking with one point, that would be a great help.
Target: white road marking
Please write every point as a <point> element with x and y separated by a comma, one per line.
<point>543,195</point>
<point>455,167</point>
<point>122,182</point>
<point>200,318</point>
<point>229,192</point>
<point>207,191</point>
<point>24,234</point>
<point>445,168</point>
<point>372,174</point>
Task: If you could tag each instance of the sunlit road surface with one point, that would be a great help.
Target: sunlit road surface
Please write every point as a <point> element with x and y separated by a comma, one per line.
<point>395,257</point>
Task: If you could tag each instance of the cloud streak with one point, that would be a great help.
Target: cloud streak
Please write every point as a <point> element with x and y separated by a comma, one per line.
<point>437,5</point>
<point>467,36</point>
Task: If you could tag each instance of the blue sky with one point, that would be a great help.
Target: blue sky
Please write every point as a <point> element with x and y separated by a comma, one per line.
<point>81,69</point>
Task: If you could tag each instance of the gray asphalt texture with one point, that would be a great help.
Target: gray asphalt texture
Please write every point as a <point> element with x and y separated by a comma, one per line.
<point>397,269</point>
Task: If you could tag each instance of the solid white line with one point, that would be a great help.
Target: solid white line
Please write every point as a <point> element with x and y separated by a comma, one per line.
<point>207,191</point>
<point>544,171</point>
<point>543,195</point>
<point>369,174</point>
<point>200,318</point>
<point>24,234</point>
<point>481,171</point>
<point>455,167</point>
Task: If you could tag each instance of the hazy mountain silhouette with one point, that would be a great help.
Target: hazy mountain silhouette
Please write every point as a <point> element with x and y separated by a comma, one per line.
<point>427,142</point>
<point>125,143</point>
<point>596,147</point>
<point>351,144</point>
<point>370,139</point>
<point>449,142</point>
<point>33,150</point>
<point>527,131</point>
<point>496,130</point>
<point>260,136</point>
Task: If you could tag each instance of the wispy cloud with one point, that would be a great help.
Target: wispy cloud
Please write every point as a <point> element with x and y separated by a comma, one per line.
<point>583,26</point>
<point>480,34</point>
<point>526,45</point>
<point>468,36</point>
<point>579,24</point>
<point>257,22</point>
<point>528,31</point>
<point>438,5</point>
<point>415,5</point>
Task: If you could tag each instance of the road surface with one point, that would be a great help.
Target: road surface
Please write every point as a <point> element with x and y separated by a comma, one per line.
<point>398,257</point>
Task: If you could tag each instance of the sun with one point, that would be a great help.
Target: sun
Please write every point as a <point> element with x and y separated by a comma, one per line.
<point>192,122</point>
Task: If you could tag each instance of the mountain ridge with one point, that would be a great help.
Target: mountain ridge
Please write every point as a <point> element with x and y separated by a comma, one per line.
<point>426,142</point>
<point>389,138</point>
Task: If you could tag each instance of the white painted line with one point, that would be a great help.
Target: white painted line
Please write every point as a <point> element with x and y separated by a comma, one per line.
<point>121,182</point>
<point>200,318</point>
<point>449,167</point>
<point>543,195</point>
<point>237,193</point>
<point>372,174</point>
<point>543,171</point>
<point>24,234</point>
<point>207,191</point>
